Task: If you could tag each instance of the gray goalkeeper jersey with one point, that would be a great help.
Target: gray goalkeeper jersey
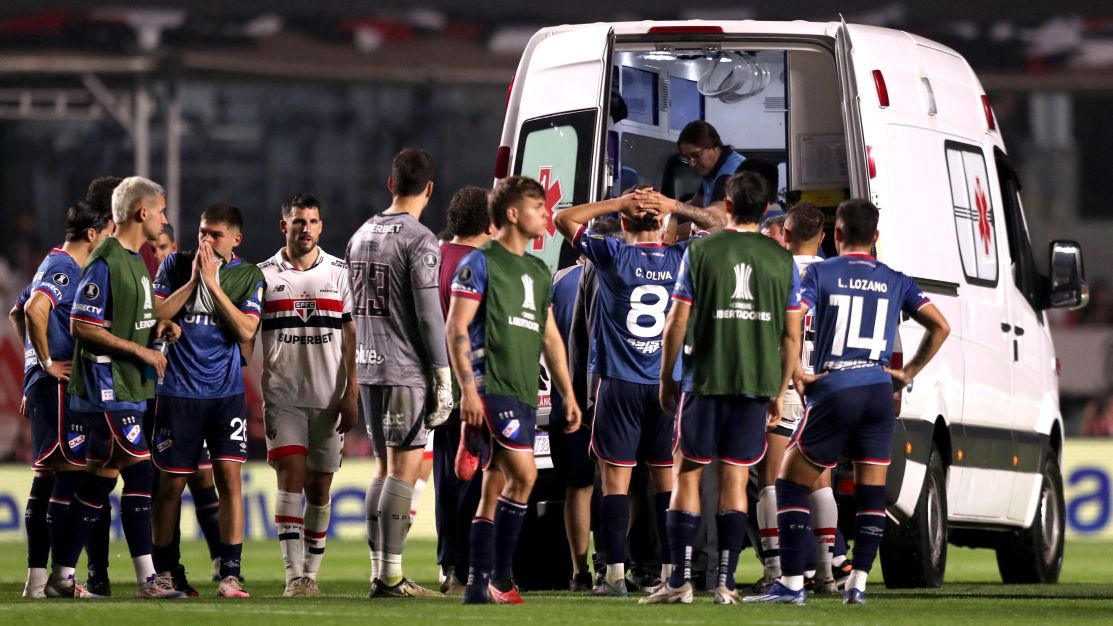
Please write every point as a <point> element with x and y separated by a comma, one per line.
<point>394,263</point>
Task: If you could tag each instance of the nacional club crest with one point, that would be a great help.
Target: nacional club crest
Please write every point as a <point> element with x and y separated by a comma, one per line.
<point>305,305</point>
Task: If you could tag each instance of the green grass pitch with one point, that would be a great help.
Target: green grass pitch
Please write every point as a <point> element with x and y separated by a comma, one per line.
<point>972,594</point>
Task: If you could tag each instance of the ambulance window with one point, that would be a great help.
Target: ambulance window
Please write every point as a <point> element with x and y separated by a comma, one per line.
<point>1024,263</point>
<point>556,151</point>
<point>974,214</point>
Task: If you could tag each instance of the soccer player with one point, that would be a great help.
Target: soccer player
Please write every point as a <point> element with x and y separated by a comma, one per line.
<point>112,379</point>
<point>215,297</point>
<point>401,359</point>
<point>42,319</point>
<point>470,226</point>
<point>735,310</point>
<point>498,325</point>
<point>629,426</point>
<point>310,397</point>
<point>165,244</point>
<point>850,403</point>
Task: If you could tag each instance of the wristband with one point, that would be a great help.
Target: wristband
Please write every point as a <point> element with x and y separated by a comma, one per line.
<point>46,363</point>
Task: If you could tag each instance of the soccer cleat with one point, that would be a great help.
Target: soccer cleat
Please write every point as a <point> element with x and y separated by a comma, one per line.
<point>826,587</point>
<point>778,594</point>
<point>467,453</point>
<point>510,596</point>
<point>762,585</point>
<point>727,596</point>
<point>35,585</point>
<point>476,594</point>
<point>230,588</point>
<point>296,587</point>
<point>98,584</point>
<point>854,596</point>
<point>180,582</point>
<point>59,587</point>
<point>452,586</point>
<point>580,583</point>
<point>158,588</point>
<point>668,594</point>
<point>616,589</point>
<point>406,589</point>
<point>312,589</point>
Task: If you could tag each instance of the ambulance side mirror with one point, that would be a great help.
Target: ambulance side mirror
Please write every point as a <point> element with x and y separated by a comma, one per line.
<point>1067,288</point>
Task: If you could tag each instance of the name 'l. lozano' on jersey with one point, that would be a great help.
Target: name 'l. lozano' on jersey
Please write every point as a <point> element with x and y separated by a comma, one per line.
<point>883,115</point>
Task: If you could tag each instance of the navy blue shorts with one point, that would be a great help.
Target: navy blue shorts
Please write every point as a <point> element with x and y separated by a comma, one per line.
<point>857,421</point>
<point>511,424</point>
<point>54,425</point>
<point>731,428</point>
<point>109,429</point>
<point>184,427</point>
<point>630,426</point>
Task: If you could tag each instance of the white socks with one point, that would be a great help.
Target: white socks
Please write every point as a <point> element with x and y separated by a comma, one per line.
<point>770,536</point>
<point>290,525</point>
<point>857,580</point>
<point>316,534</point>
<point>144,568</point>
<point>825,519</point>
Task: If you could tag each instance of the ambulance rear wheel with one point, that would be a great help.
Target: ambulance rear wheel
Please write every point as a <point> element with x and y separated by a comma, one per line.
<point>914,553</point>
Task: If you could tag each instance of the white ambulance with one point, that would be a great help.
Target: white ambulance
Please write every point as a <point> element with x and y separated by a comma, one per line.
<point>849,111</point>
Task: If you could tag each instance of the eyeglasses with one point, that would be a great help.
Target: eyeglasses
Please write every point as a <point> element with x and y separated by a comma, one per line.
<point>692,157</point>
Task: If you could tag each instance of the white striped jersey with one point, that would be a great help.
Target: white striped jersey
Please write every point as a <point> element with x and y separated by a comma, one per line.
<point>303,313</point>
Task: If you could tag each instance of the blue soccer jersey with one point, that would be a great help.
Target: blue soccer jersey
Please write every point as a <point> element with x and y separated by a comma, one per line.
<point>205,361</point>
<point>857,301</point>
<point>93,305</point>
<point>635,281</point>
<point>57,279</point>
<point>565,285</point>
<point>470,281</point>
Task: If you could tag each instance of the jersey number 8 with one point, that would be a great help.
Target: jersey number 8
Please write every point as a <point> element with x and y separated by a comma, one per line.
<point>655,311</point>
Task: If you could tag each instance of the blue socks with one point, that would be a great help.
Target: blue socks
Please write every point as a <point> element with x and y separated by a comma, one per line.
<point>660,511</point>
<point>509,518</point>
<point>207,506</point>
<point>870,524</point>
<point>230,555</point>
<point>135,506</point>
<point>482,553</point>
<point>86,508</point>
<point>682,527</point>
<point>731,527</point>
<point>793,524</point>
<point>35,516</point>
<point>614,515</point>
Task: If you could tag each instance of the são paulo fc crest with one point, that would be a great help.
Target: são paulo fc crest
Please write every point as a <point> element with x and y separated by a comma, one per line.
<point>305,306</point>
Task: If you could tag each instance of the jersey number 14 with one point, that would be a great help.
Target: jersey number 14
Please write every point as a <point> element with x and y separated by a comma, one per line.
<point>848,325</point>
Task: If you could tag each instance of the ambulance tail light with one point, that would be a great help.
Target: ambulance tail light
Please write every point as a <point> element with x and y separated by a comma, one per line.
<point>870,162</point>
<point>686,30</point>
<point>502,162</point>
<point>990,121</point>
<point>882,90</point>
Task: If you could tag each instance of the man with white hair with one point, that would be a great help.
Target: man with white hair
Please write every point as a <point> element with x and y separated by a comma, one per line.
<point>114,371</point>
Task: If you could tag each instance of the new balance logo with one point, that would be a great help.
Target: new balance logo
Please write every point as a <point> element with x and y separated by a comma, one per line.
<point>742,274</point>
<point>527,284</point>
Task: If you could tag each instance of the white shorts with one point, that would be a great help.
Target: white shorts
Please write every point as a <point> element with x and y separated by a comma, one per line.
<point>306,431</point>
<point>791,414</point>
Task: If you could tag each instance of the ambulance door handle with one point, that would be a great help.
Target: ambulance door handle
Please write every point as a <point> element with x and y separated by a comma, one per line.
<point>1005,327</point>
